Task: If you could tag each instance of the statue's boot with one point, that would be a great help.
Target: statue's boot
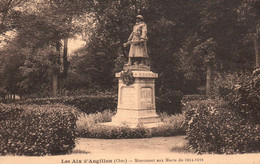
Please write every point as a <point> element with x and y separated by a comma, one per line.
<point>143,62</point>
<point>129,61</point>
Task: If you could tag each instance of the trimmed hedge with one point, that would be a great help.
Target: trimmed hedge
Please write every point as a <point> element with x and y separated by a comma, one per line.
<point>87,104</point>
<point>37,130</point>
<point>169,102</point>
<point>214,128</point>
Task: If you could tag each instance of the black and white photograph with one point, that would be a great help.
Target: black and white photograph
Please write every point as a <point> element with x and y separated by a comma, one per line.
<point>129,82</point>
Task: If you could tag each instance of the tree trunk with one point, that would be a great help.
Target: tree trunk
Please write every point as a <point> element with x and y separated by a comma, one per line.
<point>65,59</point>
<point>256,44</point>
<point>208,79</point>
<point>55,74</point>
<point>55,84</point>
<point>256,53</point>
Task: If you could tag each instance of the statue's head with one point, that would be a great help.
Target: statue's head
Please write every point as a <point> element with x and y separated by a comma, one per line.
<point>139,18</point>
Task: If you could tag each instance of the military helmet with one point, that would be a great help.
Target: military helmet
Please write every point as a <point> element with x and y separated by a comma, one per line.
<point>140,17</point>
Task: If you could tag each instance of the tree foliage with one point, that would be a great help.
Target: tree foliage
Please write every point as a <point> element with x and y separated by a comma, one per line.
<point>182,37</point>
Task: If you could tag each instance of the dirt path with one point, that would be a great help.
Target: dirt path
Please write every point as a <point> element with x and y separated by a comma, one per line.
<point>169,150</point>
<point>155,145</point>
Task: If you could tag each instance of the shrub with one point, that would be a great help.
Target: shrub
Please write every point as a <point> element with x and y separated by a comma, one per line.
<point>241,91</point>
<point>86,121</point>
<point>87,104</point>
<point>7,111</point>
<point>3,92</point>
<point>169,102</point>
<point>102,131</point>
<point>177,119</point>
<point>188,98</point>
<point>167,130</point>
<point>88,126</point>
<point>215,128</point>
<point>116,132</point>
<point>37,130</point>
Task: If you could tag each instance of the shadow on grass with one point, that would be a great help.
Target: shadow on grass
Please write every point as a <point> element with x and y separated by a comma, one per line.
<point>78,151</point>
<point>181,149</point>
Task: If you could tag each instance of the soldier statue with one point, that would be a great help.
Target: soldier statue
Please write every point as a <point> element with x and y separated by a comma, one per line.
<point>137,41</point>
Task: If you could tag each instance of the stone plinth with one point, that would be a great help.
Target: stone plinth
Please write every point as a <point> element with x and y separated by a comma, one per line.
<point>136,102</point>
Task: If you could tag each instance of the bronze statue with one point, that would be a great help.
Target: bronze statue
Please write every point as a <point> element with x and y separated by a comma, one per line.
<point>137,41</point>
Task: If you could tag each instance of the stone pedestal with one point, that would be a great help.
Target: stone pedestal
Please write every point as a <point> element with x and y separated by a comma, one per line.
<point>136,102</point>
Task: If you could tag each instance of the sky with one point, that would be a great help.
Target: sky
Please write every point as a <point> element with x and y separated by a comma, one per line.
<point>75,44</point>
<point>8,36</point>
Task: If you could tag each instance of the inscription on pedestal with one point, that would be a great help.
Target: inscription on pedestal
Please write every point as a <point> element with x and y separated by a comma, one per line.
<point>146,96</point>
<point>128,95</point>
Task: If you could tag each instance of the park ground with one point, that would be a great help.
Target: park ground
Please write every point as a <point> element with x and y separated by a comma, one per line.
<point>170,150</point>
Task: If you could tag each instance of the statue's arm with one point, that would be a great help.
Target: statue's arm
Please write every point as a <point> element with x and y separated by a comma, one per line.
<point>144,32</point>
<point>130,37</point>
<point>129,40</point>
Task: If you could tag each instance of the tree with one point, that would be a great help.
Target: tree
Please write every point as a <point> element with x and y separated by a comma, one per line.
<point>62,13</point>
<point>166,28</point>
<point>12,58</point>
<point>256,44</point>
<point>223,22</point>
<point>46,22</point>
<point>207,51</point>
<point>37,71</point>
<point>249,15</point>
<point>8,13</point>
<point>179,35</point>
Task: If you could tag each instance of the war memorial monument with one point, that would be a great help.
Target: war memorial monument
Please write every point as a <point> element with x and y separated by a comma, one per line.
<point>136,86</point>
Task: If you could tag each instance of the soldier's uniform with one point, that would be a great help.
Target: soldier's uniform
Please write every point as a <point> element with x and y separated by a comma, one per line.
<point>139,34</point>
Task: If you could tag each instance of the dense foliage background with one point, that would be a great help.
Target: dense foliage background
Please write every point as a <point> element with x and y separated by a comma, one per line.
<point>187,39</point>
<point>208,48</point>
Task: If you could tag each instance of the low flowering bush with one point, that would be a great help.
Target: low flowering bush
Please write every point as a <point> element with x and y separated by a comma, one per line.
<point>167,130</point>
<point>177,119</point>
<point>37,130</point>
<point>212,127</point>
<point>114,132</point>
<point>88,126</point>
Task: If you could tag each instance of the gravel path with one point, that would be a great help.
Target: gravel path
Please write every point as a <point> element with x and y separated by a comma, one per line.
<point>158,150</point>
